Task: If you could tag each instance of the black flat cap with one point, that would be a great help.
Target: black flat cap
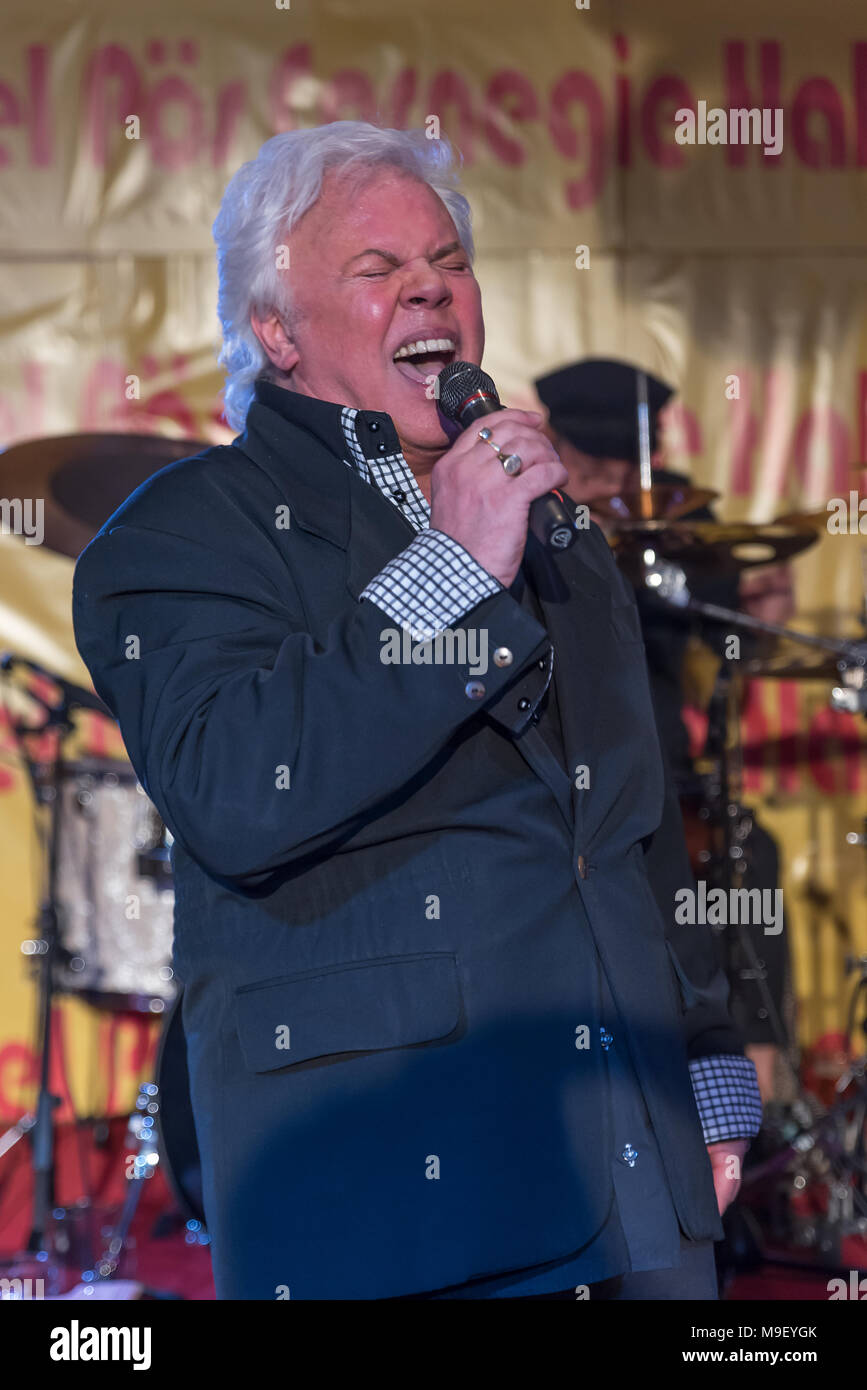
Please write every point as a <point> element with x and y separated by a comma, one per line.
<point>594,403</point>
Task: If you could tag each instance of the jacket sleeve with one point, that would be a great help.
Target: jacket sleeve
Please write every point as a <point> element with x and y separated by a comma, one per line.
<point>257,744</point>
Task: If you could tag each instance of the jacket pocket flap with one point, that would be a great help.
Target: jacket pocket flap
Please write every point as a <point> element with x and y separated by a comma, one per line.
<point>358,1006</point>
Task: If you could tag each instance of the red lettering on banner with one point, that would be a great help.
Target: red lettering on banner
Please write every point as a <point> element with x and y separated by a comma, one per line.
<point>819,95</point>
<point>447,89</point>
<point>110,66</point>
<point>861,407</point>
<point>41,148</point>
<point>859,85</point>
<point>34,109</point>
<point>169,151</point>
<point>668,94</point>
<point>230,105</point>
<point>523,106</point>
<point>348,96</point>
<point>578,87</point>
<point>739,95</point>
<point>103,402</point>
<point>826,423</point>
<point>681,431</point>
<point>622,103</point>
<point>294,67</point>
<point>403,94</point>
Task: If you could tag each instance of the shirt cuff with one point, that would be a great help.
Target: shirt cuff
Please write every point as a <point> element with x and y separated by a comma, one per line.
<point>727,1096</point>
<point>431,585</point>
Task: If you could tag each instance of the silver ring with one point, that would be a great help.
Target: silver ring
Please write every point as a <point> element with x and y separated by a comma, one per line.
<point>512,463</point>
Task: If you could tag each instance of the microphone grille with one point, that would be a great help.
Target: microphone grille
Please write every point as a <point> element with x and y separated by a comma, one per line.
<point>459,380</point>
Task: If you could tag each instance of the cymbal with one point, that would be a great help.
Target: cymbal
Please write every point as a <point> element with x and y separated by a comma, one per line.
<point>725,547</point>
<point>783,667</point>
<point>817,520</point>
<point>83,478</point>
<point>670,500</point>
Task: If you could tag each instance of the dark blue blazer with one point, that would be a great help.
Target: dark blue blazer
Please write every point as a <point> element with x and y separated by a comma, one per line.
<point>390,920</point>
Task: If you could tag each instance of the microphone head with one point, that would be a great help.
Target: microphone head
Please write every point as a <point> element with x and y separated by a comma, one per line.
<point>458,383</point>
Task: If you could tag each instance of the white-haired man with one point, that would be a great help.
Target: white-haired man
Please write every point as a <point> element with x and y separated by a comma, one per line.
<point>443,1041</point>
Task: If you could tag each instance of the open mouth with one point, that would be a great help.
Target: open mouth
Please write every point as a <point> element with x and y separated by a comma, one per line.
<point>423,358</point>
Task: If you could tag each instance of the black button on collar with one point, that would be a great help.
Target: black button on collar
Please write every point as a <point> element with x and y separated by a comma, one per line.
<point>398,495</point>
<point>373,426</point>
<point>523,703</point>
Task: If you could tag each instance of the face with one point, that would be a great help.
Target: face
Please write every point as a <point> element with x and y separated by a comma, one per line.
<point>376,269</point>
<point>594,479</point>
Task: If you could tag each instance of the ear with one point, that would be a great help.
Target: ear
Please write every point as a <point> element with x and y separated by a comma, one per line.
<point>276,340</point>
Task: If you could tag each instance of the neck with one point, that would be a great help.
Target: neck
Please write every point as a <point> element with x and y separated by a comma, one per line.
<point>422,461</point>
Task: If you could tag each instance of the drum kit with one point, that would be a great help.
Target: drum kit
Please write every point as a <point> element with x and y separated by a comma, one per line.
<point>106,901</point>
<point>104,926</point>
<point>812,1156</point>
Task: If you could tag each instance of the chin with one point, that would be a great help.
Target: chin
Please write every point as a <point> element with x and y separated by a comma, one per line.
<point>422,428</point>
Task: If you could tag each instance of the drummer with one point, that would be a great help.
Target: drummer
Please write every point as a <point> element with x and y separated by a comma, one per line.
<point>593,423</point>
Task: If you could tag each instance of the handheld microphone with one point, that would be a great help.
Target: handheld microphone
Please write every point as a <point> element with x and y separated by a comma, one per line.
<point>466,393</point>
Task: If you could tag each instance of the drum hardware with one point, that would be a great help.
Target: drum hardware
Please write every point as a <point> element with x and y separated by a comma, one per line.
<point>44,780</point>
<point>139,1168</point>
<point>819,1147</point>
<point>67,797</point>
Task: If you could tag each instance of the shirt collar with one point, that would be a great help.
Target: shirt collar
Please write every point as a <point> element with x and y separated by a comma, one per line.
<point>374,429</point>
<point>365,439</point>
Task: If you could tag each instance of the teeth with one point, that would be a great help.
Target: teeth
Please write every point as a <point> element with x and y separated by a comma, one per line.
<point>424,345</point>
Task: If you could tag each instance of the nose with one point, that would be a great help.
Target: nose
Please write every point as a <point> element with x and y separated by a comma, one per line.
<point>424,284</point>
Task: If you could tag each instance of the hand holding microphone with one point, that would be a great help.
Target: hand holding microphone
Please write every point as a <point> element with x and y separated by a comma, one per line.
<point>497,478</point>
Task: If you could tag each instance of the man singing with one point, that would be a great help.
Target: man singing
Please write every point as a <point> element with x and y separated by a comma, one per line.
<point>443,1039</point>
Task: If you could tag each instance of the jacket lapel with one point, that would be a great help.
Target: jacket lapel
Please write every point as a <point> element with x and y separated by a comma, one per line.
<point>575,603</point>
<point>326,496</point>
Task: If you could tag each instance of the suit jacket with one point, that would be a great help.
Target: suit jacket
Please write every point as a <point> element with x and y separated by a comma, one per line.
<point>391,910</point>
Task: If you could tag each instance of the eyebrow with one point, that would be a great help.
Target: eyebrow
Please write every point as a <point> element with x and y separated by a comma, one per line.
<point>395,260</point>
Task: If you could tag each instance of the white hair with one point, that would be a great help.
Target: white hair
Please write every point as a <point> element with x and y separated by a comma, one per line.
<point>268,196</point>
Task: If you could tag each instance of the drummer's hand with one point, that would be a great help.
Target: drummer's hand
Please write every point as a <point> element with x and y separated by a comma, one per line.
<point>767,594</point>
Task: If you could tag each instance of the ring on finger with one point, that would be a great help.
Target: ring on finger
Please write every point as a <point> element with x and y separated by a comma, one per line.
<point>512,463</point>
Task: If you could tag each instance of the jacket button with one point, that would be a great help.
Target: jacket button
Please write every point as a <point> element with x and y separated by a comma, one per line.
<point>373,426</point>
<point>629,1155</point>
<point>474,690</point>
<point>523,703</point>
<point>582,866</point>
<point>503,657</point>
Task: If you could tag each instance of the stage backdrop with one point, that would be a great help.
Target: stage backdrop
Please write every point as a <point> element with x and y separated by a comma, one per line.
<point>735,272</point>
